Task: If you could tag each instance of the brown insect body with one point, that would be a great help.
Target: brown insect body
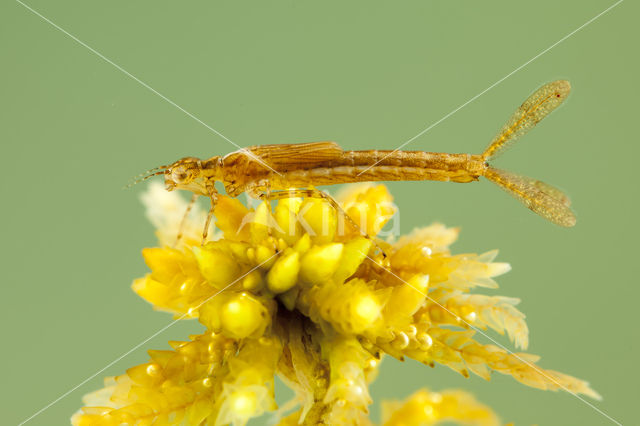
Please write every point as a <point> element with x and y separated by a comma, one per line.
<point>348,167</point>
<point>259,170</point>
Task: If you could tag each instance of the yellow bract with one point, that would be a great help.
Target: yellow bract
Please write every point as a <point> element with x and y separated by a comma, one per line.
<point>298,291</point>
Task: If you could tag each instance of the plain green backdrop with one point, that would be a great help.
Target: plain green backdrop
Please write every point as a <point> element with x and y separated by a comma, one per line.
<point>368,74</point>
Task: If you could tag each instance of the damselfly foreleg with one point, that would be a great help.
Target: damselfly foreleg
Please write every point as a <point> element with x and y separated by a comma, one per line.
<point>213,196</point>
<point>183,222</point>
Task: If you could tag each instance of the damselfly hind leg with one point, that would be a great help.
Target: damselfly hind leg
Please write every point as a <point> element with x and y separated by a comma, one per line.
<point>316,193</point>
<point>266,196</point>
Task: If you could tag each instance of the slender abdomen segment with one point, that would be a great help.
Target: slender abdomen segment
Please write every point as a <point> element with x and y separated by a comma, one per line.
<point>367,166</point>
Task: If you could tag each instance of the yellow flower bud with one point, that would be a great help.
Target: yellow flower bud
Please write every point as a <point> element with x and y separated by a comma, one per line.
<point>218,267</point>
<point>286,216</point>
<point>252,281</point>
<point>243,403</point>
<point>405,299</point>
<point>303,244</point>
<point>265,255</point>
<point>319,219</point>
<point>284,273</point>
<point>351,307</point>
<point>354,253</point>
<point>243,316</point>
<point>148,374</point>
<point>237,249</point>
<point>229,213</point>
<point>369,206</point>
<point>209,313</point>
<point>165,263</point>
<point>366,308</point>
<point>320,263</point>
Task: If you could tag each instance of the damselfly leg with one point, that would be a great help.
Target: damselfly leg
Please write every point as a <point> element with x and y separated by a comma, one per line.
<point>316,193</point>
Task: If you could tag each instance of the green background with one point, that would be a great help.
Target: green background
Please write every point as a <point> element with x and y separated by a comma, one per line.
<point>367,74</point>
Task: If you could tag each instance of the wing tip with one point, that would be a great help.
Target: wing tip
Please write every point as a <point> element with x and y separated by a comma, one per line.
<point>567,220</point>
<point>562,88</point>
<point>551,206</point>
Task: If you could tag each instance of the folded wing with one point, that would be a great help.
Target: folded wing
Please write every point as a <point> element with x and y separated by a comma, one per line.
<point>298,155</point>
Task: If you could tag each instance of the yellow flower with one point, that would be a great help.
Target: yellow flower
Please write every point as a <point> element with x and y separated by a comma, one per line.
<point>297,291</point>
<point>428,408</point>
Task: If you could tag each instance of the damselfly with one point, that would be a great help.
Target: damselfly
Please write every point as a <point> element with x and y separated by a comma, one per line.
<point>269,172</point>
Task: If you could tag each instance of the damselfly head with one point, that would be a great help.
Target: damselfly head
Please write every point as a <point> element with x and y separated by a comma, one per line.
<point>182,173</point>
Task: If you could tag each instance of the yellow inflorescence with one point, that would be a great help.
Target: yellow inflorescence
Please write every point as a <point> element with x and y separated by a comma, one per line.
<point>428,408</point>
<point>297,291</point>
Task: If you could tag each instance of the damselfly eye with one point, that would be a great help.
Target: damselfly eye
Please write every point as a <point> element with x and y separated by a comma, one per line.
<point>180,174</point>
